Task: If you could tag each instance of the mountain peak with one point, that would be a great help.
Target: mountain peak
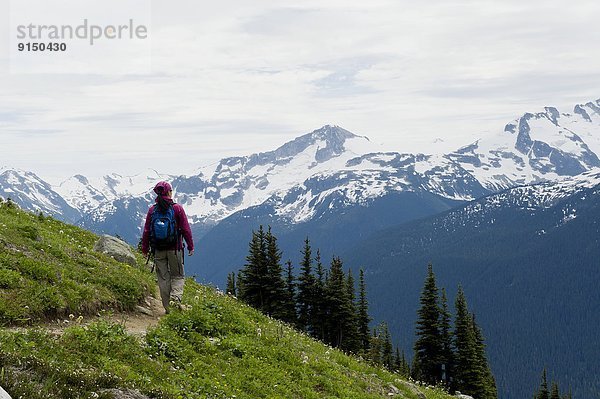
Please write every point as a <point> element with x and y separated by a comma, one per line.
<point>332,133</point>
<point>334,136</point>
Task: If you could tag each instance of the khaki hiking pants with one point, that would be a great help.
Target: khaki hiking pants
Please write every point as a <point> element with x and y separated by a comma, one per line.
<point>169,269</point>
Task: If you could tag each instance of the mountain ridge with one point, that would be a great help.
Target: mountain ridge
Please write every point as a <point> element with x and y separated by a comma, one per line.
<point>526,257</point>
<point>546,145</point>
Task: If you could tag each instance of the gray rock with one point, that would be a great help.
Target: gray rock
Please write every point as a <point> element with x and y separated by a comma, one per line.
<point>116,248</point>
<point>4,394</point>
<point>144,310</point>
<point>579,110</point>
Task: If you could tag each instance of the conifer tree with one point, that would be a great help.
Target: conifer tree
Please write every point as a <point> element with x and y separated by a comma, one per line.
<point>275,285</point>
<point>352,343</point>
<point>253,277</point>
<point>405,367</point>
<point>472,373</point>
<point>397,360</point>
<point>386,350</point>
<point>342,312</point>
<point>306,286</point>
<point>543,392</point>
<point>375,347</point>
<point>447,354</point>
<point>486,386</point>
<point>289,304</point>
<point>239,285</point>
<point>428,346</point>
<point>231,289</point>
<point>363,315</point>
<point>400,363</point>
<point>319,314</point>
<point>554,392</point>
<point>466,372</point>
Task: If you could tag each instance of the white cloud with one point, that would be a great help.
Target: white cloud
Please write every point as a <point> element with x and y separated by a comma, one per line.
<point>236,77</point>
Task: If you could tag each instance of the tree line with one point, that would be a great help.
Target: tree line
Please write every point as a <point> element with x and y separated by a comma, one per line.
<point>452,356</point>
<point>324,303</point>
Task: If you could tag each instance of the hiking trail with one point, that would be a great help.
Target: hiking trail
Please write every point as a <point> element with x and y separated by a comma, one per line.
<point>136,322</point>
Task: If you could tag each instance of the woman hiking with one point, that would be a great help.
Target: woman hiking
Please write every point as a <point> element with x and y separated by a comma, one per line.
<point>166,225</point>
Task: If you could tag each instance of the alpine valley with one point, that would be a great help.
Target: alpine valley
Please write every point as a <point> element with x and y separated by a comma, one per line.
<point>513,217</point>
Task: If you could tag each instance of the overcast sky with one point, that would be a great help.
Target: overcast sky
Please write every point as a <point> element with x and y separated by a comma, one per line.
<point>238,77</point>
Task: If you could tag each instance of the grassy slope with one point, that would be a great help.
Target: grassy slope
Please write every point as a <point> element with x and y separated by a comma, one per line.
<point>219,348</point>
<point>48,269</point>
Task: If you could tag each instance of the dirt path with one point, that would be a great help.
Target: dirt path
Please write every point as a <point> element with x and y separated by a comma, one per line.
<point>136,322</point>
<point>144,317</point>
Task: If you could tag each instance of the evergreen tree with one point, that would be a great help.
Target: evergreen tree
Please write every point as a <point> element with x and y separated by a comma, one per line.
<point>386,349</point>
<point>486,386</point>
<point>447,354</point>
<point>254,274</point>
<point>239,285</point>
<point>319,314</point>
<point>231,289</point>
<point>466,372</point>
<point>306,287</point>
<point>405,367</point>
<point>400,364</point>
<point>341,309</point>
<point>289,304</point>
<point>554,392</point>
<point>397,360</point>
<point>275,285</point>
<point>472,373</point>
<point>543,392</point>
<point>375,347</point>
<point>428,346</point>
<point>352,343</point>
<point>363,315</point>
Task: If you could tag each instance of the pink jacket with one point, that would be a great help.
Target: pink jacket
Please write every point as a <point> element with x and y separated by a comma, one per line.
<point>182,225</point>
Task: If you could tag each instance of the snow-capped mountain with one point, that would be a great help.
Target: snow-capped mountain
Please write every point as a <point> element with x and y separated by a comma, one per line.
<point>29,191</point>
<point>366,178</point>
<point>242,182</point>
<point>87,195</point>
<point>298,176</point>
<point>530,199</point>
<point>535,147</point>
<point>331,162</point>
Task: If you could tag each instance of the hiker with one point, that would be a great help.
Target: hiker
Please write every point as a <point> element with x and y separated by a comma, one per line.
<point>166,225</point>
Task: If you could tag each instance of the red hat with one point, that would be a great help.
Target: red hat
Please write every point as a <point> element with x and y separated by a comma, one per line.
<point>162,188</point>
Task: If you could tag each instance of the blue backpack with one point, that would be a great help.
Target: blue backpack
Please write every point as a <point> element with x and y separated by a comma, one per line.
<point>163,232</point>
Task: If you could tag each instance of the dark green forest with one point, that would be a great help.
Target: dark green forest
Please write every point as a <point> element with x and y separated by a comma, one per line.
<point>324,303</point>
<point>531,277</point>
